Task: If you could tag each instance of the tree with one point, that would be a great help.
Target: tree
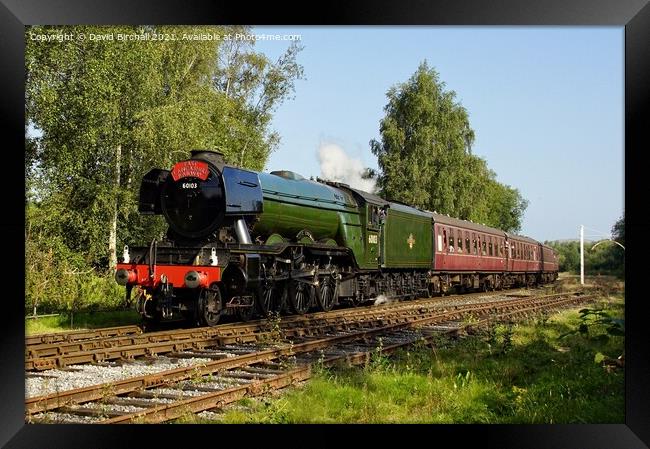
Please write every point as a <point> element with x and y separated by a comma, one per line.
<point>617,253</point>
<point>618,230</point>
<point>253,87</point>
<point>108,111</point>
<point>425,157</point>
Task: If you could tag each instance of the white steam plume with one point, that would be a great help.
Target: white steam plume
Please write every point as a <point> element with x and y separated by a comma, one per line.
<point>336,165</point>
<point>382,299</point>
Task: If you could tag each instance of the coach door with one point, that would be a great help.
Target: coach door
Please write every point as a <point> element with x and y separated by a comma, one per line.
<point>374,226</point>
<point>508,255</point>
<point>441,247</point>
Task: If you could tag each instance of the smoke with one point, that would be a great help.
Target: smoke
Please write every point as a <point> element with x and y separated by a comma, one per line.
<point>383,299</point>
<point>336,165</point>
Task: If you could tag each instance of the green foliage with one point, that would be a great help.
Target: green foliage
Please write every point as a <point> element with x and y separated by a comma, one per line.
<point>598,320</point>
<point>568,255</point>
<point>425,156</point>
<point>601,257</point>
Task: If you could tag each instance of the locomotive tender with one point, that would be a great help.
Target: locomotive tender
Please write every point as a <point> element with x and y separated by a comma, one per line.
<point>241,242</point>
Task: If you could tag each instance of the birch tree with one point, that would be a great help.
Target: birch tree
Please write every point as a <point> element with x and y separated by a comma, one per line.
<point>425,158</point>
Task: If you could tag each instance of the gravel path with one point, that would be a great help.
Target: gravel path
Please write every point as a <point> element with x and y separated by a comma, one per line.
<point>87,375</point>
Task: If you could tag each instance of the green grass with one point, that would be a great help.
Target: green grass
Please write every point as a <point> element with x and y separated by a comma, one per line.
<point>518,374</point>
<point>81,320</point>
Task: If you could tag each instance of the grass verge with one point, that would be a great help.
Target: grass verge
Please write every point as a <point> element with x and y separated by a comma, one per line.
<point>81,320</point>
<point>520,373</point>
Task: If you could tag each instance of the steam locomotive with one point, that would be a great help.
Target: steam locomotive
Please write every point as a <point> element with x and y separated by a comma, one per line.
<point>243,243</point>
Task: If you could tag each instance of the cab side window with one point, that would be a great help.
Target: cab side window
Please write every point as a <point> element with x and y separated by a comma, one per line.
<point>373,216</point>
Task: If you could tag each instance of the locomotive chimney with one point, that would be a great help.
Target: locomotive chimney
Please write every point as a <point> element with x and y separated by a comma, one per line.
<point>213,157</point>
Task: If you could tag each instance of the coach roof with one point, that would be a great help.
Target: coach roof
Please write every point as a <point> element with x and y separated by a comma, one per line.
<point>451,221</point>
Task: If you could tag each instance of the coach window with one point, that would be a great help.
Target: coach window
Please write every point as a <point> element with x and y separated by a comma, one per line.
<point>484,247</point>
<point>460,241</point>
<point>474,243</point>
<point>444,238</point>
<point>490,247</point>
<point>451,240</point>
<point>467,242</point>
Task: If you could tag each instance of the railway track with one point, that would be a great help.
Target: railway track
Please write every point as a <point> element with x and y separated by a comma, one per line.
<point>80,335</point>
<point>46,356</point>
<point>252,369</point>
<point>43,341</point>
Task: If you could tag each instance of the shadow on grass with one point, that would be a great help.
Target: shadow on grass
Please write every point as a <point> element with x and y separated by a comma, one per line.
<point>81,320</point>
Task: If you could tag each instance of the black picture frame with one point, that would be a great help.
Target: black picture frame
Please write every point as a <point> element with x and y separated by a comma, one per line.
<point>634,15</point>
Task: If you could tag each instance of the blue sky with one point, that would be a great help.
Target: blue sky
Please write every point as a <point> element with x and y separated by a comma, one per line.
<point>546,105</point>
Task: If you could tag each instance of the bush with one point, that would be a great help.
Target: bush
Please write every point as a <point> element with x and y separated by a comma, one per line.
<point>59,280</point>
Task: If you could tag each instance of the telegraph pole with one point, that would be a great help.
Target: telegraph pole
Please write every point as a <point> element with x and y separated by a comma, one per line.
<point>582,255</point>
